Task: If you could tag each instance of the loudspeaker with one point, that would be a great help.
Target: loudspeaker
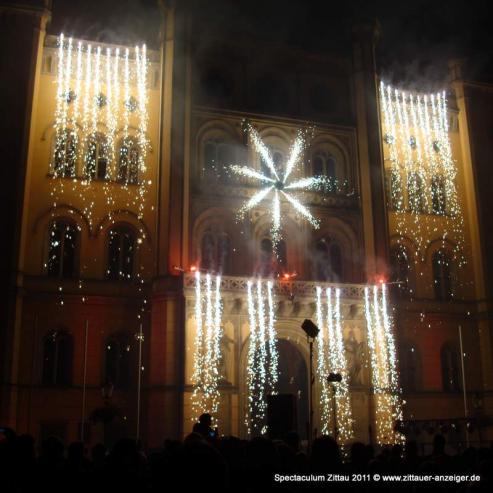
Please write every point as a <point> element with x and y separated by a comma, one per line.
<point>281,415</point>
<point>310,328</point>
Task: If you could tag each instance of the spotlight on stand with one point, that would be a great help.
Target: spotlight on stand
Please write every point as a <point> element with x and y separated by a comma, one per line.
<point>310,329</point>
<point>334,378</point>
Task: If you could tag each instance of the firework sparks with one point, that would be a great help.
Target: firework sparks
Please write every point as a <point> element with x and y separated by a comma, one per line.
<point>207,355</point>
<point>419,159</point>
<point>263,358</point>
<point>276,183</point>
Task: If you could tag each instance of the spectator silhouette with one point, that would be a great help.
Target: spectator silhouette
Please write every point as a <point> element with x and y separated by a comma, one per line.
<point>204,428</point>
<point>325,456</point>
<point>225,465</point>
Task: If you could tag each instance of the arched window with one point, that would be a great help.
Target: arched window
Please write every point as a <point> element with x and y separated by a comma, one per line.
<point>121,249</point>
<point>399,270</point>
<point>63,239</point>
<point>442,275</point>
<point>210,156</point>
<point>218,156</point>
<point>65,153</point>
<point>394,189</point>
<point>264,167</point>
<point>225,157</point>
<point>336,262</point>
<point>282,256</point>
<point>277,159</point>
<point>223,254</point>
<point>215,252</point>
<point>450,360</point>
<point>57,358</point>
<point>128,163</point>
<point>438,199</point>
<point>410,368</point>
<point>266,257</point>
<point>97,155</point>
<point>321,260</point>
<point>415,193</point>
<point>328,261</point>
<point>318,165</point>
<point>207,251</point>
<point>324,164</point>
<point>119,359</point>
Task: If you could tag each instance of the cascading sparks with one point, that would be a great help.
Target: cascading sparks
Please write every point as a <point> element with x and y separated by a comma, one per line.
<point>384,371</point>
<point>419,157</point>
<point>101,95</point>
<point>207,353</point>
<point>262,365</point>
<point>330,357</point>
<point>101,121</point>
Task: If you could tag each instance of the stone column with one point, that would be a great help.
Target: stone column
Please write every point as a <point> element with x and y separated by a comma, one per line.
<point>164,401</point>
<point>22,33</point>
<point>370,151</point>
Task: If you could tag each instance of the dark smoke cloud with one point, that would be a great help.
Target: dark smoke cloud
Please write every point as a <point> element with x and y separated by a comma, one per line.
<point>418,37</point>
<point>125,22</point>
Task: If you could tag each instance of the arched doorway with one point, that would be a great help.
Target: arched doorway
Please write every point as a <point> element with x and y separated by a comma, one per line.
<point>293,379</point>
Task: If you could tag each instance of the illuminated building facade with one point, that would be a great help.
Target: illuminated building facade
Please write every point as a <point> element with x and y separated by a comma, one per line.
<point>96,265</point>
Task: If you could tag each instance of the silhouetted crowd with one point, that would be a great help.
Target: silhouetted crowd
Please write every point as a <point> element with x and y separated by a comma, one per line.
<point>205,462</point>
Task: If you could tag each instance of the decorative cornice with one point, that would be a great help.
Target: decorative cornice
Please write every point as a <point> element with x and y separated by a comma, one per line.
<point>303,289</point>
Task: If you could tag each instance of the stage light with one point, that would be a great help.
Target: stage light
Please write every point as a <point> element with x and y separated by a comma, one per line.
<point>334,377</point>
<point>310,329</point>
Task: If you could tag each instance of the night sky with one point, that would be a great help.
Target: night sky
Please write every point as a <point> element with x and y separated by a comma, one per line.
<point>417,37</point>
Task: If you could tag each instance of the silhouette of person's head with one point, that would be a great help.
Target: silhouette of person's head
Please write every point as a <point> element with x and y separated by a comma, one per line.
<point>98,453</point>
<point>75,452</point>
<point>52,449</point>
<point>359,455</point>
<point>205,419</point>
<point>293,440</point>
<point>325,454</point>
<point>24,446</point>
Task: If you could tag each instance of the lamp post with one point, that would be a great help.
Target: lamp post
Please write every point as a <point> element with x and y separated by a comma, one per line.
<point>84,385</point>
<point>311,331</point>
<point>464,389</point>
<point>106,413</point>
<point>140,338</point>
